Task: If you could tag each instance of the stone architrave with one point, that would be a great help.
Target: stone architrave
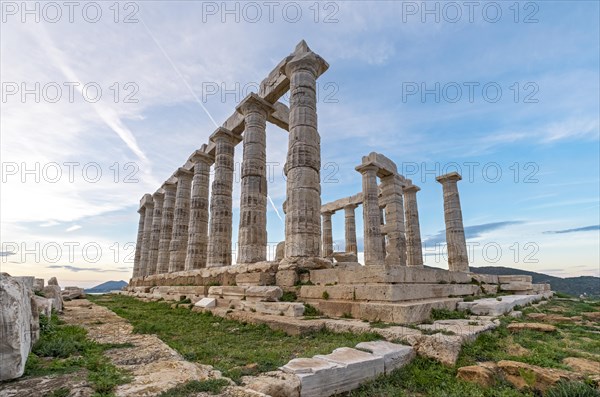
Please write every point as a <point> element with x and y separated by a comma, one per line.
<point>391,186</point>
<point>166,227</point>
<point>158,198</point>
<point>252,237</point>
<point>327,234</point>
<point>458,261</point>
<point>139,242</point>
<point>414,250</point>
<point>148,215</point>
<point>302,168</point>
<point>374,254</point>
<point>219,237</point>
<point>197,248</point>
<point>350,228</point>
<point>181,220</point>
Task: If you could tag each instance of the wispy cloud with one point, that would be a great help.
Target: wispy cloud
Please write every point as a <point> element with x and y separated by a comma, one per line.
<point>89,269</point>
<point>6,253</point>
<point>471,232</point>
<point>73,228</point>
<point>574,230</point>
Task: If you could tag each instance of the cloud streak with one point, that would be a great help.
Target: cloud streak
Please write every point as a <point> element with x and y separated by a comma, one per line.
<point>574,230</point>
<point>471,232</point>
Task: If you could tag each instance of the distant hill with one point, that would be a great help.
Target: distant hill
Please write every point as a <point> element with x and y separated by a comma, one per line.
<point>107,287</point>
<point>571,285</point>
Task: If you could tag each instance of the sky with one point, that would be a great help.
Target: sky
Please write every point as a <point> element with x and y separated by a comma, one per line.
<point>103,101</point>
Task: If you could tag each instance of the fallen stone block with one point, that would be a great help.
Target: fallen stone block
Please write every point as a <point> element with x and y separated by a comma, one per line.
<point>38,285</point>
<point>483,376</point>
<point>290,309</point>
<point>274,384</point>
<point>537,378</point>
<point>206,303</point>
<point>394,355</point>
<point>318,378</point>
<point>265,293</point>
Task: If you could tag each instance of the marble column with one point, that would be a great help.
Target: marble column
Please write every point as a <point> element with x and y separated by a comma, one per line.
<point>374,254</point>
<point>197,248</point>
<point>458,260</point>
<point>303,164</point>
<point>158,199</point>
<point>252,236</point>
<point>327,234</point>
<point>149,206</point>
<point>138,244</point>
<point>391,186</point>
<point>383,232</point>
<point>414,250</point>
<point>219,237</point>
<point>350,229</point>
<point>166,227</point>
<point>181,220</point>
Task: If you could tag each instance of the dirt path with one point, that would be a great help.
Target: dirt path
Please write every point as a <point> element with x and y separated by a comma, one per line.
<point>153,365</point>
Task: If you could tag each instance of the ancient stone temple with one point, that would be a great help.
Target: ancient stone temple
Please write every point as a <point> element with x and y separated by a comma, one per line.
<point>185,234</point>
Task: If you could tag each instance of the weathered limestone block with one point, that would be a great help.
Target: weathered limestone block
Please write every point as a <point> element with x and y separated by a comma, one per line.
<point>345,257</point>
<point>249,279</point>
<point>394,355</point>
<point>516,286</point>
<point>458,260</point>
<point>206,303</point>
<point>498,306</point>
<point>73,293</point>
<point>280,251</point>
<point>27,281</point>
<point>16,318</point>
<point>53,281</point>
<point>181,219</point>
<point>467,329</point>
<point>316,376</point>
<point>289,309</point>
<point>38,285</point>
<point>359,367</point>
<point>336,292</point>
<point>403,292</point>
<point>532,327</point>
<point>44,305</point>
<point>274,384</point>
<point>52,291</point>
<point>489,288</point>
<point>286,278</point>
<point>485,278</point>
<point>543,378</point>
<point>483,376</point>
<point>384,274</point>
<point>514,278</point>
<point>267,294</point>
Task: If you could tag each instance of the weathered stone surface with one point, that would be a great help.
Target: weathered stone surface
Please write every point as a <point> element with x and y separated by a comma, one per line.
<point>387,292</point>
<point>394,355</point>
<point>206,303</point>
<point>543,378</point>
<point>582,365</point>
<point>254,279</point>
<point>274,384</point>
<point>498,306</point>
<point>16,318</point>
<point>52,291</point>
<point>467,329</point>
<point>267,293</point>
<point>531,326</point>
<point>485,278</point>
<point>516,286</point>
<point>181,218</point>
<point>280,251</point>
<point>44,305</point>
<point>53,281</point>
<point>36,386</point>
<point>289,309</point>
<point>27,281</point>
<point>73,293</point>
<point>458,261</point>
<point>484,377</point>
<point>413,229</point>
<point>443,348</point>
<point>345,257</point>
<point>514,278</point>
<point>38,285</point>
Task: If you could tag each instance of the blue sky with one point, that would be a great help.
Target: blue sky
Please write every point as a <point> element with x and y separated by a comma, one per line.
<point>529,157</point>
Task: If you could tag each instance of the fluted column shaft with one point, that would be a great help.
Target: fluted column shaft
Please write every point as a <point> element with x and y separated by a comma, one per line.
<point>252,234</point>
<point>456,244</point>
<point>158,198</point>
<point>394,220</point>
<point>219,238</point>
<point>327,234</point>
<point>147,235</point>
<point>414,250</point>
<point>166,227</point>
<point>139,242</point>
<point>197,248</point>
<point>303,189</point>
<point>181,220</point>
<point>350,228</point>
<point>374,254</point>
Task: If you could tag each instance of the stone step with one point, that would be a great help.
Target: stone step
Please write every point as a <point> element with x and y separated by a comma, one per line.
<point>387,292</point>
<point>407,312</point>
<point>501,305</point>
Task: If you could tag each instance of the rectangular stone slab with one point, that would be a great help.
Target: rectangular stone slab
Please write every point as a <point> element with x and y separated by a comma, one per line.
<point>394,355</point>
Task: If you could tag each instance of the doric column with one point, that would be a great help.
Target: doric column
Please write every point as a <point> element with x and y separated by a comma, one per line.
<point>149,206</point>
<point>252,237</point>
<point>219,237</point>
<point>302,168</point>
<point>414,251</point>
<point>166,227</point>
<point>350,228</point>
<point>458,261</point>
<point>181,220</point>
<point>391,186</point>
<point>327,234</point>
<point>374,254</point>
<point>139,242</point>
<point>197,248</point>
<point>158,198</point>
<point>383,231</point>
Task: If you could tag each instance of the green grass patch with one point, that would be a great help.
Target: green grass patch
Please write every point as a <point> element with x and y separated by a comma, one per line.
<point>64,349</point>
<point>232,347</point>
<point>213,386</point>
<point>445,314</point>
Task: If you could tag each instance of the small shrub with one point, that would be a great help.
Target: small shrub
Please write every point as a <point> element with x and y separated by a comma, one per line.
<point>310,310</point>
<point>346,315</point>
<point>325,295</point>
<point>289,296</point>
<point>211,386</point>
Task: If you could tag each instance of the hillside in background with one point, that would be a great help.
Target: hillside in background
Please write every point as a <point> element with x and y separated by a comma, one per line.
<point>571,285</point>
<point>107,287</point>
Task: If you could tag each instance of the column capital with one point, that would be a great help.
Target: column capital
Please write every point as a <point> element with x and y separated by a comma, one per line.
<point>411,189</point>
<point>146,200</point>
<point>223,133</point>
<point>182,173</point>
<point>253,102</point>
<point>350,207</point>
<point>367,168</point>
<point>451,177</point>
<point>169,186</point>
<point>201,156</point>
<point>327,213</point>
<point>306,61</point>
<point>158,195</point>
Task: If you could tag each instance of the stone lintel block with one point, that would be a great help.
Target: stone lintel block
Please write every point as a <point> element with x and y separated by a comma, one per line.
<point>386,166</point>
<point>286,278</point>
<point>516,286</point>
<point>514,278</point>
<point>224,132</point>
<point>339,204</point>
<point>400,274</point>
<point>485,278</point>
<point>206,303</point>
<point>256,279</point>
<point>394,355</point>
<point>266,293</point>
<point>251,100</point>
<point>289,309</point>
<point>337,292</point>
<point>233,291</point>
